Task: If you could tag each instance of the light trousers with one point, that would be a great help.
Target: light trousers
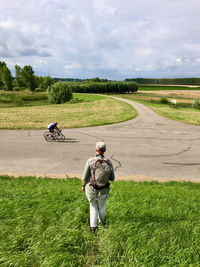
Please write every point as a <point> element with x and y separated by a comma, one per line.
<point>97,209</point>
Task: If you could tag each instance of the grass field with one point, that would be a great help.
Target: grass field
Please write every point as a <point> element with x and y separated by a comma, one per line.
<point>165,87</point>
<point>45,222</point>
<point>183,112</point>
<point>83,111</point>
<point>27,110</point>
<point>24,98</point>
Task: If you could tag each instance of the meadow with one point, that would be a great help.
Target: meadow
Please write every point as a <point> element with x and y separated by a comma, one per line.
<point>27,110</point>
<point>45,222</point>
<point>186,110</point>
<point>31,110</point>
<point>157,87</point>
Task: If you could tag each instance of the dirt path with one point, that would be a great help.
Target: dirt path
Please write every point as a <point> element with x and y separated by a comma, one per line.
<point>148,147</point>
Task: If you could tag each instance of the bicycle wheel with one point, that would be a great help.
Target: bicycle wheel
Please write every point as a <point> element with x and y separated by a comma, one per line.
<point>48,136</point>
<point>56,136</point>
<point>61,137</point>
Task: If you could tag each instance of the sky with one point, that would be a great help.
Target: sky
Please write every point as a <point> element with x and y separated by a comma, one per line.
<point>109,39</point>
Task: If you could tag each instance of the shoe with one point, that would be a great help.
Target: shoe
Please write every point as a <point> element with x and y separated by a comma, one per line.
<point>102,223</point>
<point>93,229</point>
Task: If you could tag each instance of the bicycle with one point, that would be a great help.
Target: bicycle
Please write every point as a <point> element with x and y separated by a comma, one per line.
<point>57,136</point>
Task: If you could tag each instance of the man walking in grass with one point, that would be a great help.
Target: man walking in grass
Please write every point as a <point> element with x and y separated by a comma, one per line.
<point>95,183</point>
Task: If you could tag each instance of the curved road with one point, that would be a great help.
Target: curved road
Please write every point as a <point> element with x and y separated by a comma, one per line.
<point>148,147</point>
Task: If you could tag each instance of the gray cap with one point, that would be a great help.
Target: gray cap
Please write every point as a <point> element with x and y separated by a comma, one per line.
<point>101,146</point>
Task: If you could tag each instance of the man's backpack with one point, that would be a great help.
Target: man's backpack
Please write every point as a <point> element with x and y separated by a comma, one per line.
<point>101,173</point>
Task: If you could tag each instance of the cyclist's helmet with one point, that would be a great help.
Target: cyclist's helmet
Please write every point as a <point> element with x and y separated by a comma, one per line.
<point>56,122</point>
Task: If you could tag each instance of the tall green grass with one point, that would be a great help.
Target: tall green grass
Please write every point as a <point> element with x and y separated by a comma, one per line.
<point>45,222</point>
<point>22,98</point>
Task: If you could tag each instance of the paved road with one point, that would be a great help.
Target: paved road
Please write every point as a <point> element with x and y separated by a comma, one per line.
<point>148,146</point>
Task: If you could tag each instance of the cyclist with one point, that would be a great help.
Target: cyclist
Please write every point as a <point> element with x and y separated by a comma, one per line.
<point>52,127</point>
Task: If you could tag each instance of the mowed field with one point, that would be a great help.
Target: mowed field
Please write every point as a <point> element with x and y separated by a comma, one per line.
<point>187,96</point>
<point>186,110</point>
<point>26,110</point>
<point>32,111</point>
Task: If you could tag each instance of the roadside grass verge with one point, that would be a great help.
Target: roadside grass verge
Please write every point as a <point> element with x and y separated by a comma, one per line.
<point>83,111</point>
<point>45,222</point>
<point>149,97</point>
<point>182,112</point>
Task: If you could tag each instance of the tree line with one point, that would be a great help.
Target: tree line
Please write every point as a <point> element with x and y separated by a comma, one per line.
<point>168,81</point>
<point>24,78</point>
<point>105,87</point>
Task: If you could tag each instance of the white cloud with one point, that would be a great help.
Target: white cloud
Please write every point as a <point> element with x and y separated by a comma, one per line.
<point>179,60</point>
<point>107,38</point>
<point>73,66</point>
<point>197,61</point>
<point>40,61</point>
<point>19,38</point>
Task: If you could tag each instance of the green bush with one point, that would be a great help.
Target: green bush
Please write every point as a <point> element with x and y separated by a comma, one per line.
<point>164,100</point>
<point>59,92</point>
<point>196,104</point>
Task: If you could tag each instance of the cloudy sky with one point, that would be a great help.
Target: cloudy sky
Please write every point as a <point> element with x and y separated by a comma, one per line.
<point>113,39</point>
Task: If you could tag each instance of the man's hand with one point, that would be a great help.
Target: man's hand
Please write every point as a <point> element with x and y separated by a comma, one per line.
<point>83,188</point>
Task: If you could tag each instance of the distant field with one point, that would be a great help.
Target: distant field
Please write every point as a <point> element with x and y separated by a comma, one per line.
<point>183,111</point>
<point>185,96</point>
<point>165,87</point>
<point>45,222</point>
<point>175,93</point>
<point>83,111</point>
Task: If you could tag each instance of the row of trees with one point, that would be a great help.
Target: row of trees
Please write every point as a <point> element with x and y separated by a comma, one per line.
<point>168,81</point>
<point>24,77</point>
<point>105,87</point>
<point>97,79</point>
<point>61,92</point>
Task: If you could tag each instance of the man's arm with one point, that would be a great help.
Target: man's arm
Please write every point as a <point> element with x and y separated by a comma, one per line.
<point>112,175</point>
<point>86,175</point>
